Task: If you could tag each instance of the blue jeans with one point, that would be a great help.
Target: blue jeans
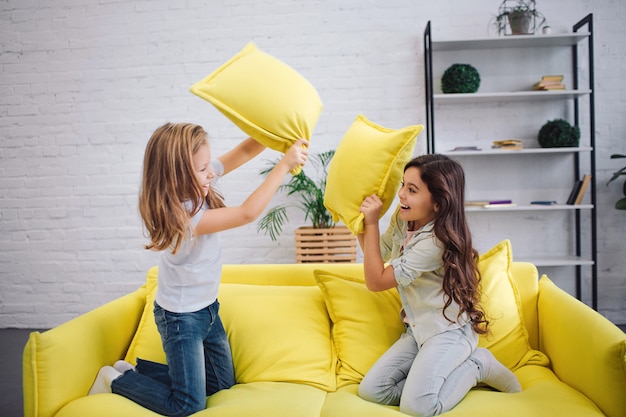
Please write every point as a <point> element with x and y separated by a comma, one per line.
<point>199,364</point>
<point>424,380</point>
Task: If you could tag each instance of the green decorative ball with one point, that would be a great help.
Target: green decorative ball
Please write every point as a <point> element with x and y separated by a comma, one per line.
<point>558,133</point>
<point>460,78</point>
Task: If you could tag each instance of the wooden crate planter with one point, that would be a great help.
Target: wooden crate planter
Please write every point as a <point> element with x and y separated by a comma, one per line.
<point>335,244</point>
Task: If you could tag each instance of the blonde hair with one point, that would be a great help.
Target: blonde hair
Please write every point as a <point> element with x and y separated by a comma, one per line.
<point>169,182</point>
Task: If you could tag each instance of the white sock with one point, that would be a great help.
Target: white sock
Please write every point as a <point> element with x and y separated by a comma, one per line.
<point>102,384</point>
<point>494,374</point>
<point>123,366</point>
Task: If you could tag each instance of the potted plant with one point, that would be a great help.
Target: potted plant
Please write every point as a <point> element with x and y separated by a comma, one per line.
<point>322,240</point>
<point>621,204</point>
<point>520,16</point>
<point>558,133</point>
<point>460,78</point>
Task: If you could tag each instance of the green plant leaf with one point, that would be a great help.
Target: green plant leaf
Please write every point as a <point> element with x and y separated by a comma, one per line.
<point>273,221</point>
<point>621,204</point>
<point>616,175</point>
<point>310,195</point>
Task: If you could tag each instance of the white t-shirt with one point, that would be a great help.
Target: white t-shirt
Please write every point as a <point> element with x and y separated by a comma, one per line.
<point>189,280</point>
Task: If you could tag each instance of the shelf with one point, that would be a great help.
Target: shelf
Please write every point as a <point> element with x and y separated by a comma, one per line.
<point>517,41</point>
<point>540,261</point>
<point>525,151</point>
<point>529,207</point>
<point>530,95</point>
<point>509,92</point>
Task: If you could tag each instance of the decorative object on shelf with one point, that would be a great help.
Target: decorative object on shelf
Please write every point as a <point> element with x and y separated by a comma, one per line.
<point>621,203</point>
<point>520,16</point>
<point>508,144</point>
<point>311,195</point>
<point>578,191</point>
<point>460,78</point>
<point>558,133</point>
<point>550,82</point>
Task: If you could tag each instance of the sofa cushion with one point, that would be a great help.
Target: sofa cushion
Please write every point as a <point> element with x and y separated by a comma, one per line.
<point>276,333</point>
<point>373,154</point>
<point>507,338</point>
<point>264,97</point>
<point>365,323</point>
<point>266,399</point>
<point>146,343</point>
<point>279,333</point>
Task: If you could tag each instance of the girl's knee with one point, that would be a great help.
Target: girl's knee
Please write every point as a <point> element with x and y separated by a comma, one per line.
<point>373,392</point>
<point>365,391</point>
<point>427,406</point>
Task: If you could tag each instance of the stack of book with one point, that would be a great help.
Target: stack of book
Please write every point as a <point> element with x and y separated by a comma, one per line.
<point>508,144</point>
<point>490,203</point>
<point>550,82</point>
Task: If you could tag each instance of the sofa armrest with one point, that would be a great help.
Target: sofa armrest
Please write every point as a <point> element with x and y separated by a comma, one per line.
<point>586,350</point>
<point>60,365</point>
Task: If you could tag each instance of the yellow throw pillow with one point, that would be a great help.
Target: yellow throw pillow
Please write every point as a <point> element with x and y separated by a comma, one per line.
<point>370,159</point>
<point>264,97</point>
<point>276,333</point>
<point>279,333</point>
<point>365,323</point>
<point>146,343</point>
<point>508,337</point>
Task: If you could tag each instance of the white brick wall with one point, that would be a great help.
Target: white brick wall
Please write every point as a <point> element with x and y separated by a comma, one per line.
<point>83,85</point>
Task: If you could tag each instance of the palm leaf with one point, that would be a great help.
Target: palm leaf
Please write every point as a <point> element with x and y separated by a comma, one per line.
<point>310,193</point>
<point>273,221</point>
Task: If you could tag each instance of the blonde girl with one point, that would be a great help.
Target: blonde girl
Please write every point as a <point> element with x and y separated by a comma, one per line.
<point>182,213</point>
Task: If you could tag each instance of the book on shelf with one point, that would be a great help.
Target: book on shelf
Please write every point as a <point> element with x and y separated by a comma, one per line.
<point>557,78</point>
<point>465,148</point>
<point>583,188</point>
<point>508,144</point>
<point>489,203</point>
<point>543,203</point>
<point>578,190</point>
<point>574,193</point>
<point>476,203</point>
<point>550,82</point>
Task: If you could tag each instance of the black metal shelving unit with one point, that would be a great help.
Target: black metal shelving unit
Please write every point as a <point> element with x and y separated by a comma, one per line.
<point>576,39</point>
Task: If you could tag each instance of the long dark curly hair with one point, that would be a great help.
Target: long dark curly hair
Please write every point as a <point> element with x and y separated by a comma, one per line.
<point>445,180</point>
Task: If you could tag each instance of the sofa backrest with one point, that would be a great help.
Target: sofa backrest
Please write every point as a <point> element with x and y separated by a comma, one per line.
<point>525,276</point>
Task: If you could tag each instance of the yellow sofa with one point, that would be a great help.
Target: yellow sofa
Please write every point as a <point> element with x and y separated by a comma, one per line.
<point>296,355</point>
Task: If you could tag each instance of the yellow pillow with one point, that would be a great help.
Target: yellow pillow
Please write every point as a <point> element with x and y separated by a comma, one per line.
<point>276,333</point>
<point>370,159</point>
<point>146,343</point>
<point>365,323</point>
<point>279,333</point>
<point>508,337</point>
<point>264,97</point>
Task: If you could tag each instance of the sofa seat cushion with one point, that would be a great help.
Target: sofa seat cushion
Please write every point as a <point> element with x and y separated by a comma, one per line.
<point>266,399</point>
<point>277,333</point>
<point>258,399</point>
<point>543,395</point>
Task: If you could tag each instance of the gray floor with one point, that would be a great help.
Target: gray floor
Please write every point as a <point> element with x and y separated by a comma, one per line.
<point>12,342</point>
